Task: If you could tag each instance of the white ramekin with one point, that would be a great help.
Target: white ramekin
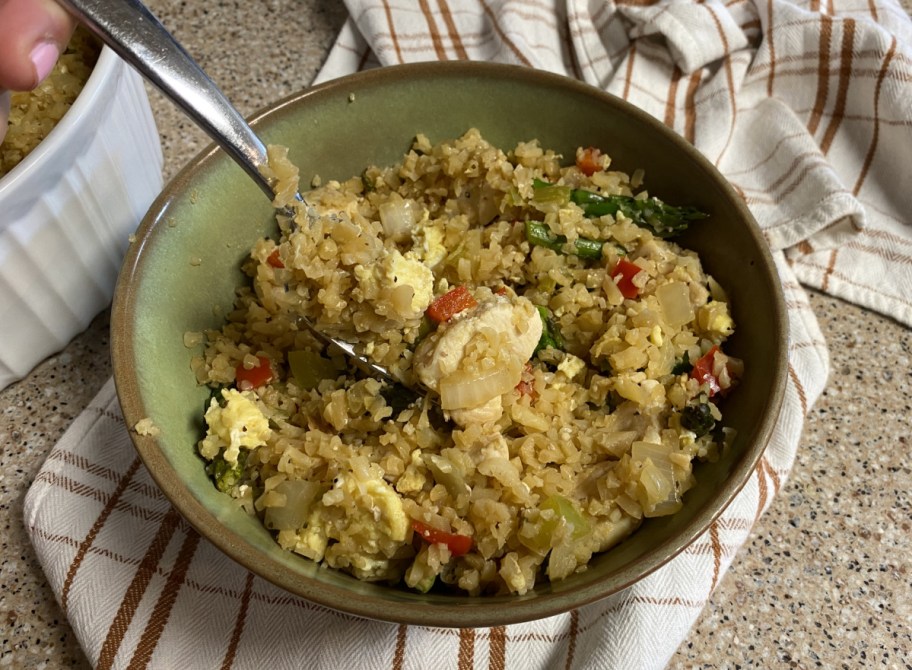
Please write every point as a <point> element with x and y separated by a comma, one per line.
<point>67,212</point>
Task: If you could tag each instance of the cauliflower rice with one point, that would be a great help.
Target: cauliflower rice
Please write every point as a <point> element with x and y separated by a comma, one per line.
<point>571,361</point>
<point>33,114</point>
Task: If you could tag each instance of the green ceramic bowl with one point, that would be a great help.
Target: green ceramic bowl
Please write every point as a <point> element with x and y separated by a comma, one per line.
<point>182,271</point>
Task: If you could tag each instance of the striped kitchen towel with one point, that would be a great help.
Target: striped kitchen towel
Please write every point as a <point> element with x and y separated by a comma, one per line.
<point>805,107</point>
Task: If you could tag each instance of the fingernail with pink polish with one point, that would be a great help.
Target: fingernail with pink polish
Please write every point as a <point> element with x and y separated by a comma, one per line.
<point>43,57</point>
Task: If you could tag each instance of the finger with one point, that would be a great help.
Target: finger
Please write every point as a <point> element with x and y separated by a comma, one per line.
<point>32,35</point>
<point>4,113</point>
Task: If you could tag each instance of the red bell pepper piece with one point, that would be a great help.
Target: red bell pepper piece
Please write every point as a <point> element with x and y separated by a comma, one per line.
<point>526,385</point>
<point>259,375</point>
<point>627,271</point>
<point>450,303</point>
<point>457,544</point>
<point>588,161</point>
<point>703,371</point>
<point>274,260</point>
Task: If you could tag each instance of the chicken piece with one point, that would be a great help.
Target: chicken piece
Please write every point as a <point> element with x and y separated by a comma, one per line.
<point>478,356</point>
<point>489,411</point>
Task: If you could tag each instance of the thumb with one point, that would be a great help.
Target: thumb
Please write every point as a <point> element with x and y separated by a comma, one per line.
<point>4,112</point>
<point>32,35</point>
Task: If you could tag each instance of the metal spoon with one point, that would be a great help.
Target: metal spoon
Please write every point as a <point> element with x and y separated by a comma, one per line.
<point>137,36</point>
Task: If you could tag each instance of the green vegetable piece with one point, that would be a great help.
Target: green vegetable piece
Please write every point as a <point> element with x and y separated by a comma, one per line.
<point>540,535</point>
<point>565,510</point>
<point>651,213</point>
<point>426,584</point>
<point>226,475</point>
<point>591,250</point>
<point>550,336</point>
<point>215,393</point>
<point>698,418</point>
<point>426,328</point>
<point>544,193</point>
<point>683,366</point>
<point>310,368</point>
<point>398,397</point>
<point>367,182</point>
<point>540,235</point>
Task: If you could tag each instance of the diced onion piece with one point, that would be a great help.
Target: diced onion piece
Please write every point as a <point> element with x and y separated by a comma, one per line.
<point>674,298</point>
<point>657,480</point>
<point>656,483</point>
<point>299,498</point>
<point>657,453</point>
<point>398,217</point>
<point>716,290</point>
<point>630,506</point>
<point>528,417</point>
<point>447,474</point>
<point>463,390</point>
<point>612,292</point>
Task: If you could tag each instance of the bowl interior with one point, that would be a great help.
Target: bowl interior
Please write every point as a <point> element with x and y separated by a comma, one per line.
<point>182,271</point>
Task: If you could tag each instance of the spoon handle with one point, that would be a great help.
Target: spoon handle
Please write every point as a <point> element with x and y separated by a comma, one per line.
<point>133,32</point>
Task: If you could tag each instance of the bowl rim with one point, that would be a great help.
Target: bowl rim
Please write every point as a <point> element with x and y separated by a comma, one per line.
<point>517,609</point>
<point>73,123</point>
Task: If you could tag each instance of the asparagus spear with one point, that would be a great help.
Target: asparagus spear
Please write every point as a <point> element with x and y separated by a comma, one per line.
<point>550,336</point>
<point>539,234</point>
<point>662,219</point>
<point>225,474</point>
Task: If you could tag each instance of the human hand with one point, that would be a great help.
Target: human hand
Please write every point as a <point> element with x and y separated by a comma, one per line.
<point>33,33</point>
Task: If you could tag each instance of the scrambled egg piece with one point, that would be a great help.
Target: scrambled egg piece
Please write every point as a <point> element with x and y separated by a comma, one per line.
<point>432,247</point>
<point>372,507</point>
<point>714,319</point>
<point>240,423</point>
<point>571,365</point>
<point>146,427</point>
<point>366,517</point>
<point>413,479</point>
<point>402,270</point>
<point>387,510</point>
<point>311,541</point>
<point>397,283</point>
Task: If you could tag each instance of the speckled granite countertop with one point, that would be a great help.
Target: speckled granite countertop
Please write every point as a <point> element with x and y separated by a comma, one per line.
<point>825,579</point>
